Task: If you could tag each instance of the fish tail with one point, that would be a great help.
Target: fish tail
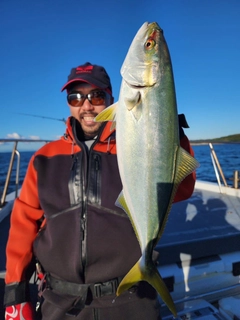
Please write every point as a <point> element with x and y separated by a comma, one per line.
<point>151,275</point>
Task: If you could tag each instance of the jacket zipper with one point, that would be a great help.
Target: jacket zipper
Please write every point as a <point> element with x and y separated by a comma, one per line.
<point>83,216</point>
<point>86,169</point>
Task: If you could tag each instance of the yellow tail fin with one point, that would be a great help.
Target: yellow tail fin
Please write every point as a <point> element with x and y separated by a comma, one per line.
<point>151,275</point>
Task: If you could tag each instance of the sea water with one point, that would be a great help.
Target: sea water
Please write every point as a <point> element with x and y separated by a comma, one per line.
<point>228,156</point>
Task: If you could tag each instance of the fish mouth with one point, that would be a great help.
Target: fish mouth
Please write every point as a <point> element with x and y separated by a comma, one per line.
<point>139,87</point>
<point>135,86</point>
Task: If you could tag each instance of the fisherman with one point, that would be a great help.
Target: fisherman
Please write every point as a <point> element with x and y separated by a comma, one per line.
<point>66,221</point>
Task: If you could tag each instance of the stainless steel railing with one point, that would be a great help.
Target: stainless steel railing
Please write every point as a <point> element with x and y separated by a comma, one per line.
<point>218,169</point>
<point>14,153</point>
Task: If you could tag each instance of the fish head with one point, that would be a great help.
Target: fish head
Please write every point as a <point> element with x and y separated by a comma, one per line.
<point>141,65</point>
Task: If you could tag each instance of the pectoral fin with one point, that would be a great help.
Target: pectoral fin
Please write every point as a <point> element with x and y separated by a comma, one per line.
<point>107,114</point>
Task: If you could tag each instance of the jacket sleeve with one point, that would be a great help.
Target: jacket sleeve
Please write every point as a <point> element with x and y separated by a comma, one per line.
<point>24,227</point>
<point>186,187</point>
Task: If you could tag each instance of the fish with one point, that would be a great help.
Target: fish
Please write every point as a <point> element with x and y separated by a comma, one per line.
<point>150,159</point>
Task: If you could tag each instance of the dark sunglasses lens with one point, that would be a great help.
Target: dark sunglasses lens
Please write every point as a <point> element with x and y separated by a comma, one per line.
<point>75,99</point>
<point>97,98</point>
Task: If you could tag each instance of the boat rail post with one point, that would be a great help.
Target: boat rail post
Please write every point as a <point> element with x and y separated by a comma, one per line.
<point>17,172</point>
<point>3,198</point>
<point>215,159</point>
<point>235,179</point>
<point>216,173</point>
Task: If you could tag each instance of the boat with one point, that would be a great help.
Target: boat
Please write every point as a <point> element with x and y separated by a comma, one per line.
<point>198,254</point>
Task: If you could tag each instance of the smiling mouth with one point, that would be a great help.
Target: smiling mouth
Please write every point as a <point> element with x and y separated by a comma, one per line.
<point>88,118</point>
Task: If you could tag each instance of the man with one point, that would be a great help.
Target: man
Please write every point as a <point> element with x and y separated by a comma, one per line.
<point>66,217</point>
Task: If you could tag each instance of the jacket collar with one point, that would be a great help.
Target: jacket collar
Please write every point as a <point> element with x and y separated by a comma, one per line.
<point>104,134</point>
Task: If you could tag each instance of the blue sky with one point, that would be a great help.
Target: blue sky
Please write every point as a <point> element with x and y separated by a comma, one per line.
<point>42,40</point>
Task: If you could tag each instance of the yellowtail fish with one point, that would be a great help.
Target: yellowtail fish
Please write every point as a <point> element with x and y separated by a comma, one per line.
<point>151,162</point>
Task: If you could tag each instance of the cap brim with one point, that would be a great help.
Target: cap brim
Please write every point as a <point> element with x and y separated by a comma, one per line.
<point>76,80</point>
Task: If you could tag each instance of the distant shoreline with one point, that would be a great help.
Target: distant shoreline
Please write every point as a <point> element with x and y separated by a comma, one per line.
<point>195,143</point>
<point>234,138</point>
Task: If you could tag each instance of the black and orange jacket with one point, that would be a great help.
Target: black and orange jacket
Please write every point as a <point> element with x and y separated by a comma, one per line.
<point>84,237</point>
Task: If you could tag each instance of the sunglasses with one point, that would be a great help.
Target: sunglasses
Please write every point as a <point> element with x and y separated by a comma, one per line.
<point>96,98</point>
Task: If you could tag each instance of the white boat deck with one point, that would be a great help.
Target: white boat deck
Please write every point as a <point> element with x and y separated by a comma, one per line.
<point>206,224</point>
<point>199,252</point>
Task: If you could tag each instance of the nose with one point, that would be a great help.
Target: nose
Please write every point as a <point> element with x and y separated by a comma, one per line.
<point>87,105</point>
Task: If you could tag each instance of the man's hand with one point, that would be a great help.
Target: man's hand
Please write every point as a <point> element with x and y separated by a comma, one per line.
<point>22,311</point>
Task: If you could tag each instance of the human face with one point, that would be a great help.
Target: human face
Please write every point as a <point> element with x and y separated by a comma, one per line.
<point>87,112</point>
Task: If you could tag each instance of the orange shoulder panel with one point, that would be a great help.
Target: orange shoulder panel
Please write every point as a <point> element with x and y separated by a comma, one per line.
<point>58,147</point>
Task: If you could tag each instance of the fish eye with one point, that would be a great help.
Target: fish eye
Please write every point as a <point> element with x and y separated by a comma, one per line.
<point>150,43</point>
